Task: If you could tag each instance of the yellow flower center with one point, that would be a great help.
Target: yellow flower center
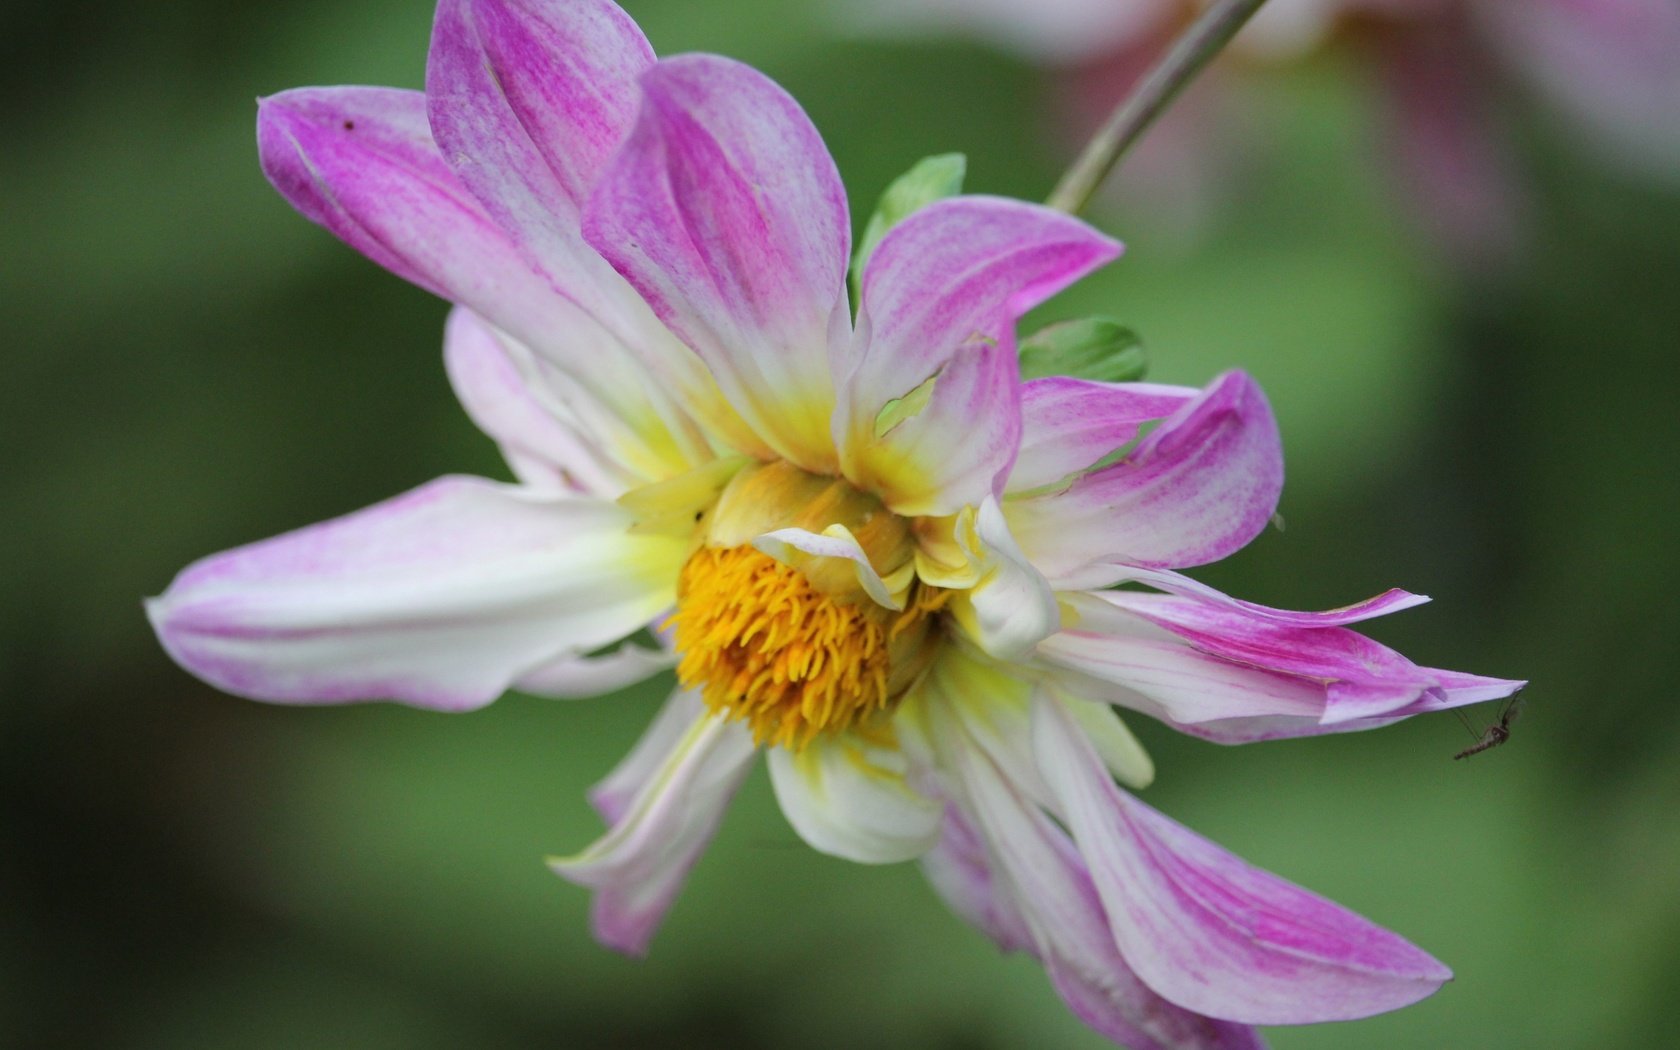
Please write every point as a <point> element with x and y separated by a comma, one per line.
<point>798,652</point>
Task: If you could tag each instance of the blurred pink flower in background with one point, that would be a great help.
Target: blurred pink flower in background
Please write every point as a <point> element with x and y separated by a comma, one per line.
<point>1443,68</point>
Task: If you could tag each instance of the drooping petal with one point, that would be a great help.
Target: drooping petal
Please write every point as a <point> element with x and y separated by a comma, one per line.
<point>1390,601</point>
<point>1042,890</point>
<point>1207,930</point>
<point>1235,677</point>
<point>440,598</point>
<point>638,867</point>
<point>939,301</point>
<point>1198,488</point>
<point>848,796</point>
<point>1069,424</point>
<point>1121,660</point>
<point>961,872</point>
<point>528,101</point>
<point>1362,677</point>
<point>613,794</point>
<point>992,699</point>
<point>725,211</point>
<point>361,162</point>
<point>1459,689</point>
<point>543,449</point>
<point>582,676</point>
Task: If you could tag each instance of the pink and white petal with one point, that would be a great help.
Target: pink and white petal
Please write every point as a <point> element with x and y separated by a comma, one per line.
<point>1049,887</point>
<point>1069,424</point>
<point>1198,488</point>
<point>1010,607</point>
<point>725,211</point>
<point>638,867</point>
<point>1208,931</point>
<point>528,102</point>
<point>1237,673</point>
<point>955,448</point>
<point>848,797</point>
<point>613,795</point>
<point>442,597</point>
<point>1452,689</point>
<point>938,303</point>
<point>1194,693</point>
<point>529,99</point>
<point>991,701</point>
<point>639,424</point>
<point>361,162</point>
<point>1364,678</point>
<point>1115,657</point>
<point>958,865</point>
<point>582,676</point>
<point>1390,601</point>
<point>1459,688</point>
<point>544,449</point>
<point>960,870</point>
<point>1121,752</point>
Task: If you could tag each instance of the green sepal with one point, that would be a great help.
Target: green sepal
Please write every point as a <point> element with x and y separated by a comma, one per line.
<point>1090,348</point>
<point>931,179</point>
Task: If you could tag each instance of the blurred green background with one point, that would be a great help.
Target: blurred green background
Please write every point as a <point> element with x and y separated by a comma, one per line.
<point>189,366</point>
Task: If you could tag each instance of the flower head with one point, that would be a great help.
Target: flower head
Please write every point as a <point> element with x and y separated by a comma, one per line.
<point>871,551</point>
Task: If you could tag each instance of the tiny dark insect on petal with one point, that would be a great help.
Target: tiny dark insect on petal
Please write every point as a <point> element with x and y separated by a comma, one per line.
<point>1495,734</point>
<point>349,125</point>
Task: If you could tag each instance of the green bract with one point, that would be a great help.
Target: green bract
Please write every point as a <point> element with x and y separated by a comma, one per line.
<point>931,179</point>
<point>1090,348</point>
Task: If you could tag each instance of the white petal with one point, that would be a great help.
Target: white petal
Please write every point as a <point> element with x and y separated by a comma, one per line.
<point>836,541</point>
<point>638,867</point>
<point>1010,607</point>
<point>441,597</point>
<point>848,797</point>
<point>576,677</point>
<point>1119,750</point>
<point>494,378</point>
<point>614,794</point>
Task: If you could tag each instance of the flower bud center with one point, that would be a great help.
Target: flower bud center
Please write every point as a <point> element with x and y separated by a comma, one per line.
<point>798,651</point>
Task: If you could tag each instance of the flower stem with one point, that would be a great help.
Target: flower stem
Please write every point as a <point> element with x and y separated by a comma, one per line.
<point>1132,117</point>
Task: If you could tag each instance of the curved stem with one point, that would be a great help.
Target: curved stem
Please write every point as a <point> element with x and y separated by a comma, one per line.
<point>1204,39</point>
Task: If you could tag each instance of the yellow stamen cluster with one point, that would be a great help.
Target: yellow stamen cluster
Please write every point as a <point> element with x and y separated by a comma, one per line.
<point>766,647</point>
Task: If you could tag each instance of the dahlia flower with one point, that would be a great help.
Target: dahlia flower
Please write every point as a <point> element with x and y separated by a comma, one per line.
<point>871,551</point>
